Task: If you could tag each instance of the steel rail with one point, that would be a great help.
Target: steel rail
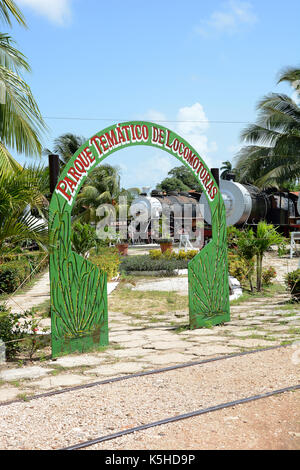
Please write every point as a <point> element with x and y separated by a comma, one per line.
<point>173,419</point>
<point>140,374</point>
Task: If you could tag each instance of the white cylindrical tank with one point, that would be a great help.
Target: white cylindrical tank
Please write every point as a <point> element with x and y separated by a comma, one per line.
<point>144,204</point>
<point>237,200</point>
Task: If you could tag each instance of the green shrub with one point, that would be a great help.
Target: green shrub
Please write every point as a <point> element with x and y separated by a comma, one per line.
<point>14,272</point>
<point>237,268</point>
<point>268,275</point>
<point>168,254</point>
<point>10,332</point>
<point>155,254</point>
<point>37,261</point>
<point>292,280</point>
<point>146,263</point>
<point>83,238</point>
<point>191,253</point>
<point>107,259</point>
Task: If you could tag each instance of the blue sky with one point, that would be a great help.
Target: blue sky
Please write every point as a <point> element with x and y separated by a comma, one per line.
<point>164,60</point>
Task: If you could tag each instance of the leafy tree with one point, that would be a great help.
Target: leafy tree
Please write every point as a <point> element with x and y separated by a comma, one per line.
<point>250,244</point>
<point>185,176</point>
<point>172,184</point>
<point>272,158</point>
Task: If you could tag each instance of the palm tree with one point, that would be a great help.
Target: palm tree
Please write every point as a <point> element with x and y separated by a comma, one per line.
<point>19,192</point>
<point>273,156</point>
<point>65,146</point>
<point>101,187</point>
<point>266,236</point>
<point>9,7</point>
<point>227,168</point>
<point>21,122</point>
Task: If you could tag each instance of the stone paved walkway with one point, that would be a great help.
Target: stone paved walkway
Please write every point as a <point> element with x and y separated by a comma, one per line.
<point>35,296</point>
<point>136,345</point>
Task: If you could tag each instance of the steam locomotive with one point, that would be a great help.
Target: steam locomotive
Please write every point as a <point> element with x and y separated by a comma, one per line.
<point>245,206</point>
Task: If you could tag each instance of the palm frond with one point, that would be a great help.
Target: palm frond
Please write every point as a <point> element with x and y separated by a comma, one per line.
<point>292,76</point>
<point>7,162</point>
<point>8,8</point>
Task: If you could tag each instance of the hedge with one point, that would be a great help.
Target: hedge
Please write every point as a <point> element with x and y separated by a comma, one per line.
<point>168,254</point>
<point>14,273</point>
<point>146,263</point>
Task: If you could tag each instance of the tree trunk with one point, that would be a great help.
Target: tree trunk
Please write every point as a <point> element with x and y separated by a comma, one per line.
<point>258,271</point>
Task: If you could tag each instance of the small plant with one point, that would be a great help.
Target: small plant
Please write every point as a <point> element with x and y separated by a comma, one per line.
<point>238,268</point>
<point>33,340</point>
<point>168,254</point>
<point>83,239</point>
<point>155,254</point>
<point>292,281</point>
<point>282,249</point>
<point>250,245</point>
<point>10,332</point>
<point>268,275</point>
<point>108,260</point>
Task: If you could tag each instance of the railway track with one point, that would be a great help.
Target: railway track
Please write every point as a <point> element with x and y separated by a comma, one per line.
<point>213,404</point>
<point>139,374</point>
<point>172,419</point>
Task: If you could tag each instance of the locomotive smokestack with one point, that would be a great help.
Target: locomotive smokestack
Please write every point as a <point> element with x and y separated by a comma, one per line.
<point>145,190</point>
<point>215,173</point>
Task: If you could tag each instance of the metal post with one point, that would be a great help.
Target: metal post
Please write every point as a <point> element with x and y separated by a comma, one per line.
<point>53,171</point>
<point>215,173</point>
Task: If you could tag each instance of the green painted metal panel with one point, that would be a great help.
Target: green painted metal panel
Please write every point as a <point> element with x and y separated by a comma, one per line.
<point>79,289</point>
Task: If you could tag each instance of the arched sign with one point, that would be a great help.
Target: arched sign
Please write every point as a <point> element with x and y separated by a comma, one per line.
<point>78,288</point>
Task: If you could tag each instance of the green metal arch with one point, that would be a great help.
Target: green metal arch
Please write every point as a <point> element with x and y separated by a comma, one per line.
<point>78,288</point>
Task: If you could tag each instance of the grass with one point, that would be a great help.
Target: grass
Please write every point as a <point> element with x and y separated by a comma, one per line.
<point>145,303</point>
<point>269,291</point>
<point>44,308</point>
<point>23,396</point>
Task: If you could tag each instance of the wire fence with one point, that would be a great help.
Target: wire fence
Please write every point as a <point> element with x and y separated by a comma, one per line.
<point>24,281</point>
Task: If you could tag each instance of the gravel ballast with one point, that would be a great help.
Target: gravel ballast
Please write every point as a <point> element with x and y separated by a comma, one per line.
<point>63,420</point>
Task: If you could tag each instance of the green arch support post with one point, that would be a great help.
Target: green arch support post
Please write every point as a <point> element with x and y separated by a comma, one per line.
<point>78,289</point>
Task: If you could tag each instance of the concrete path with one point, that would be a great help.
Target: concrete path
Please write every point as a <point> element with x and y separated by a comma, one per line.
<point>136,344</point>
<point>38,294</point>
<point>32,297</point>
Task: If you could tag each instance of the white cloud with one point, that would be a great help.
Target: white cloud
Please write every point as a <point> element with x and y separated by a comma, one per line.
<point>234,16</point>
<point>57,11</point>
<point>153,115</point>
<point>191,124</point>
<point>151,170</point>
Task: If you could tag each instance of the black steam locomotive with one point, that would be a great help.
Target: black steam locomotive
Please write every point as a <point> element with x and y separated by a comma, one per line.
<point>245,206</point>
